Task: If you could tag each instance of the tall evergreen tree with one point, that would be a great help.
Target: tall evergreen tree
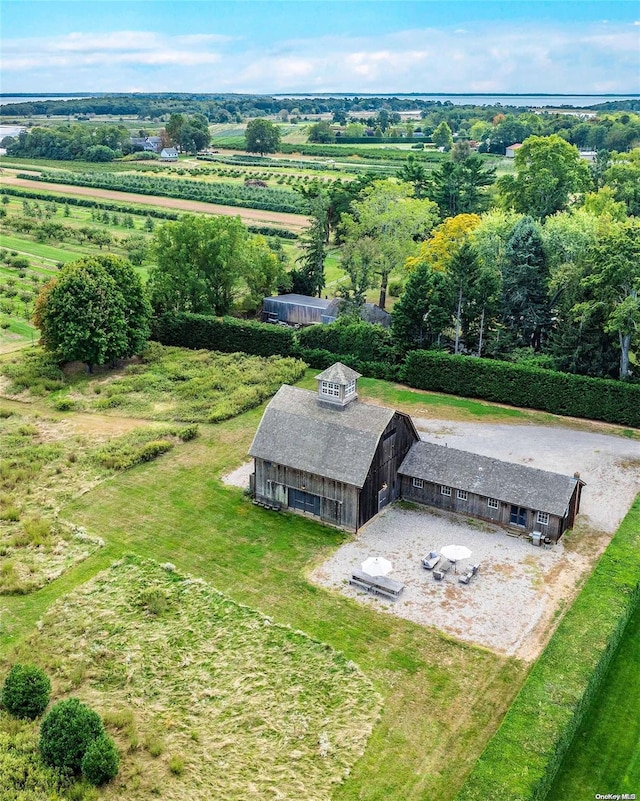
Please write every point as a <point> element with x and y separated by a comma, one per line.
<point>424,310</point>
<point>310,279</point>
<point>525,299</point>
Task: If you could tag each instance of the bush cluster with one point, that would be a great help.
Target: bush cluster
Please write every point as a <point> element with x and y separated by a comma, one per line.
<point>360,340</point>
<point>522,759</point>
<point>527,387</point>
<point>26,692</point>
<point>73,739</point>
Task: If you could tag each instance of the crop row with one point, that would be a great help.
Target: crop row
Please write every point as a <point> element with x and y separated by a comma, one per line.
<point>226,194</point>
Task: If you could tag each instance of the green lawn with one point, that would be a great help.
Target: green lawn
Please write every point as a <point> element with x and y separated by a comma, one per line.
<point>605,755</point>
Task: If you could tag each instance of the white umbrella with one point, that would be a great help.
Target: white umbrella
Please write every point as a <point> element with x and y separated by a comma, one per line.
<point>454,553</point>
<point>377,566</point>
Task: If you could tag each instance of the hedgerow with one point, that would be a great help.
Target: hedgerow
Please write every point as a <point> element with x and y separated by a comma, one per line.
<point>522,759</point>
<point>528,387</point>
<point>210,192</point>
<point>361,340</point>
<point>223,334</point>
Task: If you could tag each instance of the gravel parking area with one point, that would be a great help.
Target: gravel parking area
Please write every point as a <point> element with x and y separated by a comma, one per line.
<point>511,605</point>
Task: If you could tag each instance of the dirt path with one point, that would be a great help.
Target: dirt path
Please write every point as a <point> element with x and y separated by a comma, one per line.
<point>250,216</point>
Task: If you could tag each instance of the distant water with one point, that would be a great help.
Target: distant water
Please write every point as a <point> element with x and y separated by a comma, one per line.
<point>24,99</point>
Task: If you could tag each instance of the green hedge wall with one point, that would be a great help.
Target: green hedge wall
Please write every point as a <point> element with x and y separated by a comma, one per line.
<point>224,334</point>
<point>529,387</point>
<point>522,759</point>
<point>321,359</point>
<point>360,339</point>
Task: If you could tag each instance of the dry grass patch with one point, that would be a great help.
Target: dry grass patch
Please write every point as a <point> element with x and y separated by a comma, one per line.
<point>206,698</point>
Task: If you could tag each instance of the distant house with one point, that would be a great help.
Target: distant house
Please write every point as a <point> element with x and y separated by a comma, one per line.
<point>153,144</point>
<point>479,486</point>
<point>510,152</point>
<point>169,154</point>
<point>295,309</point>
<point>329,454</point>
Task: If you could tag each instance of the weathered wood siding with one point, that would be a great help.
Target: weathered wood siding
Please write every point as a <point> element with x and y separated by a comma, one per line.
<point>294,313</point>
<point>339,501</point>
<point>477,506</point>
<point>394,444</point>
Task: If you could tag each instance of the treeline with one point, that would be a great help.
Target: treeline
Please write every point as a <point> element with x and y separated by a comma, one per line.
<point>226,107</point>
<point>70,143</point>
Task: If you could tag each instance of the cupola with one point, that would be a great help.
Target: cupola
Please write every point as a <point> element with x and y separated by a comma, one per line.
<point>338,385</point>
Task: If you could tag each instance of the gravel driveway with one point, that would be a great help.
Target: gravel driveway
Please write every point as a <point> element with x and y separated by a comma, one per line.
<point>511,605</point>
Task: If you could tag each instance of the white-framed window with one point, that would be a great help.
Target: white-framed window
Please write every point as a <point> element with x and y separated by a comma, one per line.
<point>543,518</point>
<point>492,503</point>
<point>445,491</point>
<point>462,495</point>
<point>350,388</point>
<point>329,388</point>
<point>418,482</point>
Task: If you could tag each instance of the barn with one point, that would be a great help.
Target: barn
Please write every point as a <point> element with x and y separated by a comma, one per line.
<point>294,309</point>
<point>511,495</point>
<point>328,454</point>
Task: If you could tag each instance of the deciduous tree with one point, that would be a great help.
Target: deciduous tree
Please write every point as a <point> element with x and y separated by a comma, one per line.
<point>262,136</point>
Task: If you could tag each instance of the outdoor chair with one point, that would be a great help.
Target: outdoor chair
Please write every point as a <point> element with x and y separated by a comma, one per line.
<point>465,578</point>
<point>442,570</point>
<point>430,561</point>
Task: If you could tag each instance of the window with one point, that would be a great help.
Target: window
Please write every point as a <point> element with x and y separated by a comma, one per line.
<point>445,491</point>
<point>418,482</point>
<point>462,495</point>
<point>350,389</point>
<point>492,503</point>
<point>543,518</point>
<point>329,388</point>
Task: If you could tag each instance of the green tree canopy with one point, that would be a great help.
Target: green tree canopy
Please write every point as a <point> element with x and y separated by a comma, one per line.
<point>442,137</point>
<point>199,263</point>
<point>548,172</point>
<point>394,220</point>
<point>262,136</point>
<point>95,311</point>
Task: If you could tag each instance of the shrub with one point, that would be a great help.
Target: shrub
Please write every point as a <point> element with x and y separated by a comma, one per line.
<point>26,691</point>
<point>361,340</point>
<point>67,732</point>
<point>100,762</point>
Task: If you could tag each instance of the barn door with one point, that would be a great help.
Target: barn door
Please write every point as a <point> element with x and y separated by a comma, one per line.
<point>383,497</point>
<point>518,515</point>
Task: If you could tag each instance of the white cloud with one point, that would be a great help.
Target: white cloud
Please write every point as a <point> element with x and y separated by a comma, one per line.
<point>496,58</point>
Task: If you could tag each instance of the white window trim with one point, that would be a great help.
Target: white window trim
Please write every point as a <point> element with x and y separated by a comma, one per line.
<point>543,518</point>
<point>493,503</point>
<point>350,388</point>
<point>462,495</point>
<point>445,491</point>
<point>330,389</point>
<point>418,483</point>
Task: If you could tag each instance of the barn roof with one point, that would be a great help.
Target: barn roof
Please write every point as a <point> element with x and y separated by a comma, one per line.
<point>301,433</point>
<point>491,478</point>
<point>300,300</point>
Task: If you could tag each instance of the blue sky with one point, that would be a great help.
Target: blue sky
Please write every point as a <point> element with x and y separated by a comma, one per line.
<point>320,46</point>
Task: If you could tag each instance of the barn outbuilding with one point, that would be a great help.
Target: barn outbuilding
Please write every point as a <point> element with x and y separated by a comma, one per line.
<point>511,495</point>
<point>294,309</point>
<point>329,454</point>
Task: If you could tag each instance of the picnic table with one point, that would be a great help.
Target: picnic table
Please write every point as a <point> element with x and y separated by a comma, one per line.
<point>377,585</point>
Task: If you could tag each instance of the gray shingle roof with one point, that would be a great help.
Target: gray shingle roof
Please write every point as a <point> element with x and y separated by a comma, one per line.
<point>299,300</point>
<point>339,373</point>
<point>491,478</point>
<point>337,443</point>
